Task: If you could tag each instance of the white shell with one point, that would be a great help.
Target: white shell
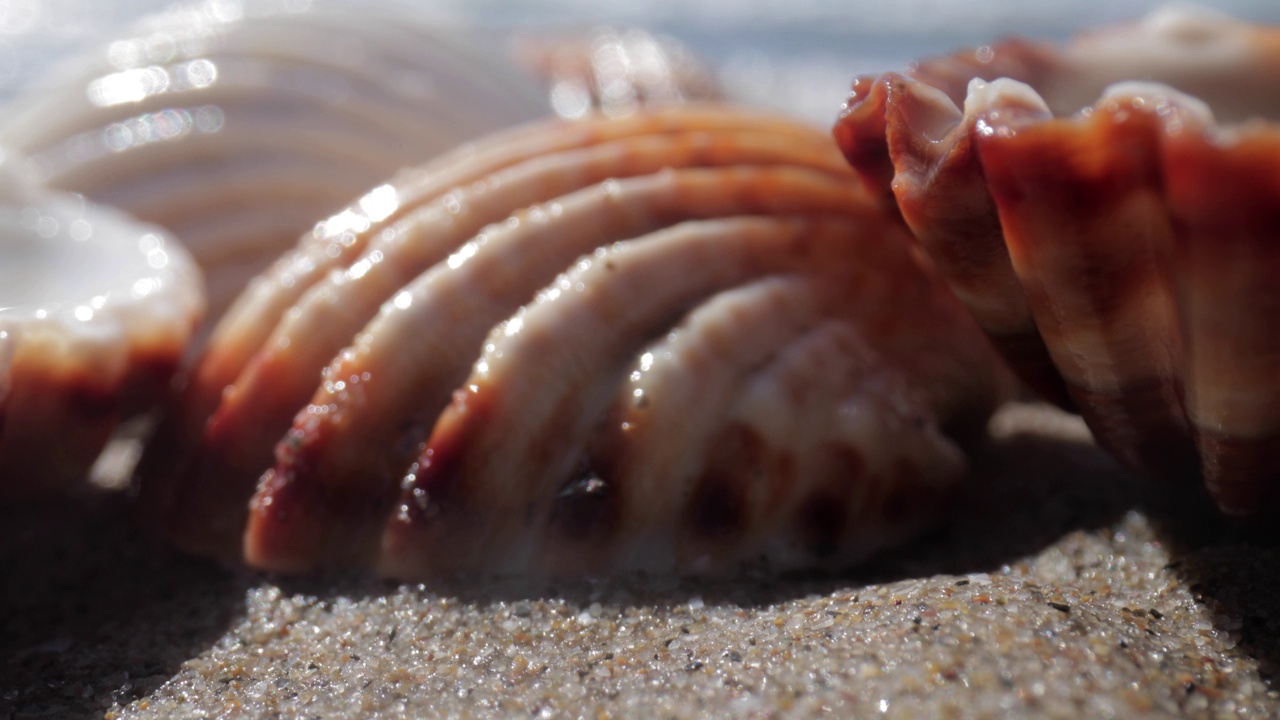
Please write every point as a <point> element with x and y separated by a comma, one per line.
<point>96,312</point>
<point>236,130</point>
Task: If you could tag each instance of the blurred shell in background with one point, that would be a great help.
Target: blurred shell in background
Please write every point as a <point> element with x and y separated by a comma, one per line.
<point>236,126</point>
<point>96,311</point>
<point>1119,240</point>
<point>235,129</point>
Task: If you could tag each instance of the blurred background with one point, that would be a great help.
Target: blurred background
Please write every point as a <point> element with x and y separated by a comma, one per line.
<point>793,54</point>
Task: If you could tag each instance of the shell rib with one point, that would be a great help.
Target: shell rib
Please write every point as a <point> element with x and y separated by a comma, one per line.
<point>697,219</point>
<point>508,459</point>
<point>96,310</point>
<point>235,132</point>
<point>1124,258</point>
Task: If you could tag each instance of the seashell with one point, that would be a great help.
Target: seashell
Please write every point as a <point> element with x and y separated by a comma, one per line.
<point>96,310</point>
<point>1123,256</point>
<point>705,347</point>
<point>235,128</point>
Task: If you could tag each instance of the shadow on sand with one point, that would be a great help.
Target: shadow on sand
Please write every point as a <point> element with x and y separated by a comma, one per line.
<point>94,613</point>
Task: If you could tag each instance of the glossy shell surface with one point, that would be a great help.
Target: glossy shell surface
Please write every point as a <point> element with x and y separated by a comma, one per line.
<point>96,311</point>
<point>675,342</point>
<point>1118,240</point>
<point>236,128</point>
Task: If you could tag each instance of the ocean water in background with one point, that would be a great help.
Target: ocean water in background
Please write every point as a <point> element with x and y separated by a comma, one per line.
<point>797,55</point>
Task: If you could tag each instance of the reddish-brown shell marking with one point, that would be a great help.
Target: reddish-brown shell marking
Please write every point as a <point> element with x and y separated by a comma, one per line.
<point>705,347</point>
<point>1124,258</point>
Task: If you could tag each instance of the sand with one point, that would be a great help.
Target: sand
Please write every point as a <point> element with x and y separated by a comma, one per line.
<point>1061,587</point>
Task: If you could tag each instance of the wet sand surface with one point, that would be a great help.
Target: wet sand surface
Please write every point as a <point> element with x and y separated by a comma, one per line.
<point>1061,587</point>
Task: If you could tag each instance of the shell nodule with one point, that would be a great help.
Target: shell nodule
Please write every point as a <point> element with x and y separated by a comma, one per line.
<point>679,341</point>
<point>1116,239</point>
